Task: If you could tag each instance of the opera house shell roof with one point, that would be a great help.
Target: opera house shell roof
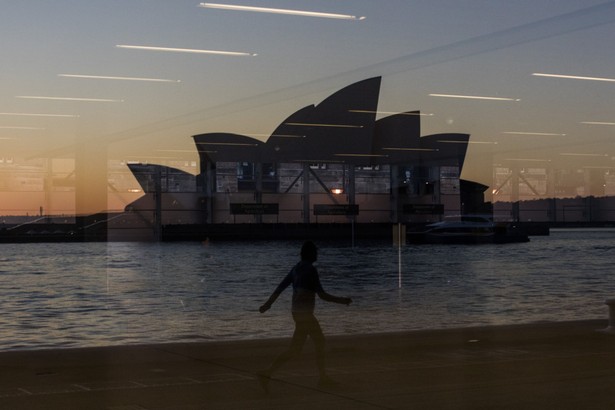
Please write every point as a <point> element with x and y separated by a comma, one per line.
<point>341,129</point>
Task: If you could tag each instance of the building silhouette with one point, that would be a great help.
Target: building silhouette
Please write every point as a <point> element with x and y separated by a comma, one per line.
<point>330,163</point>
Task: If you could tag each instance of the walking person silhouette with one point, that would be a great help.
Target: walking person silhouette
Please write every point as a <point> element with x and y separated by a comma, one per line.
<point>306,285</point>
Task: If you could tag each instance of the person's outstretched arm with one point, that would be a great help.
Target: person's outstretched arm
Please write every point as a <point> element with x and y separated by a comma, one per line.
<point>267,305</point>
<point>328,297</point>
<point>283,285</point>
<point>335,299</point>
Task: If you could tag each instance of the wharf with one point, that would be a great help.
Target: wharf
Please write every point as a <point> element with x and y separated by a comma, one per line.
<point>314,231</point>
<point>564,365</point>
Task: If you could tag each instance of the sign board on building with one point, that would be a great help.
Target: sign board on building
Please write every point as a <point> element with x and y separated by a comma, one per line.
<point>254,209</point>
<point>424,209</point>
<point>336,210</point>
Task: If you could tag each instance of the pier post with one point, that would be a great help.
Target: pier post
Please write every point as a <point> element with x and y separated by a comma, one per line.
<point>394,186</point>
<point>611,328</point>
<point>157,228</point>
<point>515,194</point>
<point>306,193</point>
<point>258,191</point>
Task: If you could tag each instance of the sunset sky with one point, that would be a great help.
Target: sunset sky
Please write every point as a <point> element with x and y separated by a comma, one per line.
<point>117,77</point>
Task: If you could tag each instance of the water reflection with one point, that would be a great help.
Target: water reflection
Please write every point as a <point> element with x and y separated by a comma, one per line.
<point>117,293</point>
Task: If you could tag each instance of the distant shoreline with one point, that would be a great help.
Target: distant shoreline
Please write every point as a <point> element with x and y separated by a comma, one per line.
<point>75,232</point>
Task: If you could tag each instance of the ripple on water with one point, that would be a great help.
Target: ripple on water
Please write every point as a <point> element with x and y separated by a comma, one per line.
<point>92,294</point>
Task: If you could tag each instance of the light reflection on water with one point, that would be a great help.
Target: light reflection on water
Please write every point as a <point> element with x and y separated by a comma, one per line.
<point>69,295</point>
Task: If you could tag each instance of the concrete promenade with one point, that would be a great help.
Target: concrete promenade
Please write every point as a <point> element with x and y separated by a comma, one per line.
<point>565,365</point>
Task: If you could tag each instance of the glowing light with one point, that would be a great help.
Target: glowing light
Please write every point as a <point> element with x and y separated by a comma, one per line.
<point>27,114</point>
<point>409,149</point>
<point>528,159</point>
<point>475,97</point>
<point>148,158</point>
<point>571,154</point>
<point>188,50</point>
<point>303,13</point>
<point>276,135</point>
<point>228,143</point>
<point>104,77</point>
<point>597,123</point>
<point>533,133</point>
<point>360,155</point>
<point>304,124</point>
<point>318,161</point>
<point>40,97</point>
<point>468,142</point>
<point>337,191</point>
<point>574,77</point>
<point>20,128</point>
<point>419,114</point>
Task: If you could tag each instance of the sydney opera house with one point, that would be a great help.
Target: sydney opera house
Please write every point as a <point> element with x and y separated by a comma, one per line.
<point>333,163</point>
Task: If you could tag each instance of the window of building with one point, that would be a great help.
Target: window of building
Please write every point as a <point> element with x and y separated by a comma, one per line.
<point>247,177</point>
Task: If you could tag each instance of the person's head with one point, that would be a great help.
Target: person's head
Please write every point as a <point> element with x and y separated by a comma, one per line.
<point>309,252</point>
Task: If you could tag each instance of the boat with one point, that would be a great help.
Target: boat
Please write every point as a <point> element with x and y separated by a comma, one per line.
<point>468,229</point>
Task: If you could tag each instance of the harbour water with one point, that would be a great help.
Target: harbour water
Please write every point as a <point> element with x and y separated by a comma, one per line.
<point>93,294</point>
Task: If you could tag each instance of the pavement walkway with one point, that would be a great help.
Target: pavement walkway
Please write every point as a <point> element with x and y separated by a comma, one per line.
<point>563,365</point>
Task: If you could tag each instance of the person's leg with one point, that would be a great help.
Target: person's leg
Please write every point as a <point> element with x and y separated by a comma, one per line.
<point>296,345</point>
<point>318,338</point>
